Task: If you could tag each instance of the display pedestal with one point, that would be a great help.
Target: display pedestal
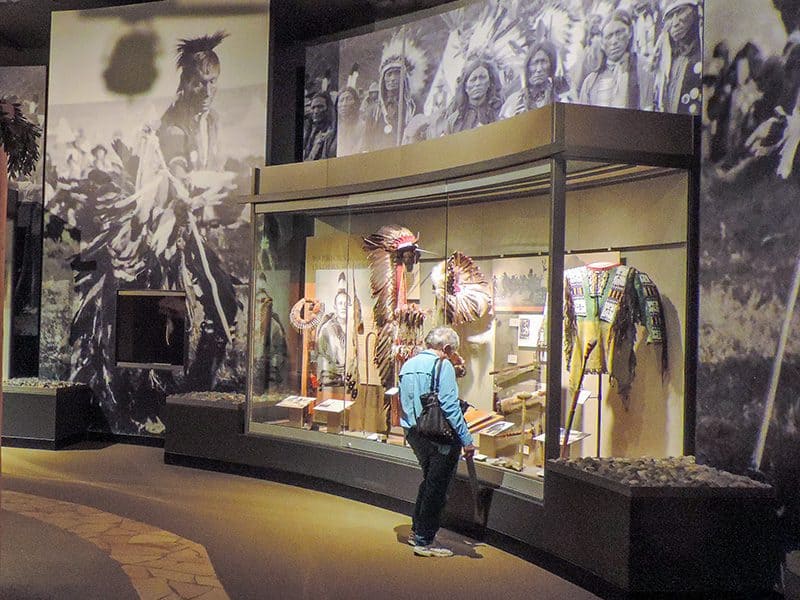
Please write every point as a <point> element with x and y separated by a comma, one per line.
<point>335,421</point>
<point>335,412</point>
<point>662,539</point>
<point>297,417</point>
<point>196,427</point>
<point>47,418</point>
<point>494,446</point>
<point>297,408</point>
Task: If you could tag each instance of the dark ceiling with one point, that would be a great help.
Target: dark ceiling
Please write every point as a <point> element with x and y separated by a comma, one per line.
<point>25,24</point>
<point>308,19</point>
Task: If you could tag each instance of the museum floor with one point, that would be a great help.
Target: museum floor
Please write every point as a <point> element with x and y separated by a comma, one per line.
<point>112,522</point>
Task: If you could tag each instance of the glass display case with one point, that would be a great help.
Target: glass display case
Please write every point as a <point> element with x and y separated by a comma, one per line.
<point>566,278</point>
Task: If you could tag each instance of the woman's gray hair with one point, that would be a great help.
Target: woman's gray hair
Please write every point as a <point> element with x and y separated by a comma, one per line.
<point>440,337</point>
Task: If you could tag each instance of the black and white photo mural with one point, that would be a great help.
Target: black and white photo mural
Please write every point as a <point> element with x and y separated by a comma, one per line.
<point>319,113</point>
<point>748,417</point>
<point>493,59</point>
<point>157,119</point>
<point>26,86</point>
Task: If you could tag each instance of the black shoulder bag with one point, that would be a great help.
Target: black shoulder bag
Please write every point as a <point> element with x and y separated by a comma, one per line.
<point>431,423</point>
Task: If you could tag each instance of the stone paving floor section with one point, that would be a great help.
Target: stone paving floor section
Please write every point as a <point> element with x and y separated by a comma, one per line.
<point>160,564</point>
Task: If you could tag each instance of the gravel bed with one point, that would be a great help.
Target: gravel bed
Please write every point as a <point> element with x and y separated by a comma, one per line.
<point>228,397</point>
<point>680,471</point>
<point>35,382</point>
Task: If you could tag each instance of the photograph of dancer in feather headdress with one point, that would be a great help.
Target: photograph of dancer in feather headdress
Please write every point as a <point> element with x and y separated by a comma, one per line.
<point>159,220</point>
<point>188,146</point>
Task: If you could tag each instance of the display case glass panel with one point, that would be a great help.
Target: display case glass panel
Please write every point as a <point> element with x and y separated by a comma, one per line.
<point>333,275</point>
<point>502,236</point>
<point>625,313</point>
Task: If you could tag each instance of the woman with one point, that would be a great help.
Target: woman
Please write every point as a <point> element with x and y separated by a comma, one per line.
<point>615,81</point>
<point>350,128</point>
<point>478,98</point>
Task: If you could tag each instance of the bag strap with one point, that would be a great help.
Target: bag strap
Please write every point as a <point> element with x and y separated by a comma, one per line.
<point>436,375</point>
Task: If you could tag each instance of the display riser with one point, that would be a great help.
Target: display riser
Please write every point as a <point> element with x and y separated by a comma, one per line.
<point>663,539</point>
<point>45,419</point>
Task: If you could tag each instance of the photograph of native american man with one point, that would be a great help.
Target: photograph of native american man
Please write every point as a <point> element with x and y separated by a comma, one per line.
<point>137,182</point>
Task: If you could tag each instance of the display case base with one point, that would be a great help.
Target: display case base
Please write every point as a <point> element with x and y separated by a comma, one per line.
<point>44,418</point>
<point>661,539</point>
<point>203,434</point>
<point>605,537</point>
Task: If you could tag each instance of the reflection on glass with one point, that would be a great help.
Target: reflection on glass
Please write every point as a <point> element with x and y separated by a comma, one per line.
<point>344,295</point>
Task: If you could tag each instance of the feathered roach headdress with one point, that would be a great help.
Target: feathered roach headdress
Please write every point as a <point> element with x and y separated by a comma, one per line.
<point>198,54</point>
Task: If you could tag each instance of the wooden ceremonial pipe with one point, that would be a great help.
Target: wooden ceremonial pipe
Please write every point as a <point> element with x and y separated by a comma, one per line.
<point>574,404</point>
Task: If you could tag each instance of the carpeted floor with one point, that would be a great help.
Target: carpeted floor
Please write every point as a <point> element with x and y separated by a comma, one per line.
<point>264,539</point>
<point>39,561</point>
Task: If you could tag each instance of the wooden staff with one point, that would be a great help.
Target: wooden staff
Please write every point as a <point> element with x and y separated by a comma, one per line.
<point>304,364</point>
<point>575,395</point>
<point>524,396</point>
<point>769,405</point>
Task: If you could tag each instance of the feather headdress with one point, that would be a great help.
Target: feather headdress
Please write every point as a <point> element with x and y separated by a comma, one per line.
<point>494,37</point>
<point>399,324</point>
<point>562,23</point>
<point>381,248</point>
<point>401,52</point>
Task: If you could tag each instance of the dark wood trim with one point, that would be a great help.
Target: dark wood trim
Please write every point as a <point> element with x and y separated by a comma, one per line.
<point>692,326</point>
<point>555,293</point>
